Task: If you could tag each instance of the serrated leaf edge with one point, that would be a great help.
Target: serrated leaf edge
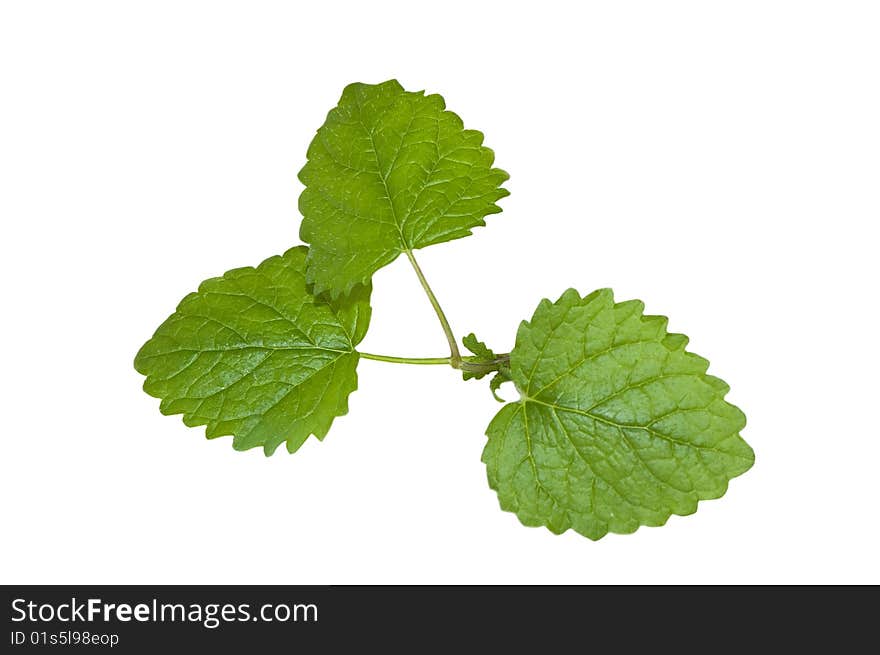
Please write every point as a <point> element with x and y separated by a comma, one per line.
<point>268,449</point>
<point>492,208</point>
<point>677,343</point>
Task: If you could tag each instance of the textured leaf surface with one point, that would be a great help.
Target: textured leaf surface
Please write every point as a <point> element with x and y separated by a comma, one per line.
<point>478,348</point>
<point>618,425</point>
<point>390,171</point>
<point>255,355</point>
<point>482,353</point>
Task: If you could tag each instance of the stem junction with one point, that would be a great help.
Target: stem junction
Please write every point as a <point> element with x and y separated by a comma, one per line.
<point>469,364</point>
<point>472,364</point>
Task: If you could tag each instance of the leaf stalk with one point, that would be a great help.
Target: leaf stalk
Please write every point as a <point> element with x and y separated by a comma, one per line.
<point>454,354</point>
<point>405,360</point>
<point>472,364</point>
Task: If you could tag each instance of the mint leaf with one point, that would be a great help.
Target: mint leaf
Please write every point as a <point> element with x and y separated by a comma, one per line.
<point>617,426</point>
<point>255,355</point>
<point>390,171</point>
<point>482,354</point>
<point>492,362</point>
<point>495,383</point>
<point>478,348</point>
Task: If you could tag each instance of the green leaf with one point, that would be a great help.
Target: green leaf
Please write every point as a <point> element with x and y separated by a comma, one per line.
<point>495,383</point>
<point>255,355</point>
<point>617,426</point>
<point>483,354</point>
<point>390,171</point>
<point>478,348</point>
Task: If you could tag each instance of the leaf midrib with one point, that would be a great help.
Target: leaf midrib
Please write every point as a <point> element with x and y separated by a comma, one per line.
<point>620,426</point>
<point>379,174</point>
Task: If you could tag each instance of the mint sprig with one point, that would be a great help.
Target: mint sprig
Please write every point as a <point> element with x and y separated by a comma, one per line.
<point>617,425</point>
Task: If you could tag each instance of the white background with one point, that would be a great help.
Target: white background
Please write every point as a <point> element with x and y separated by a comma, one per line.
<point>719,160</point>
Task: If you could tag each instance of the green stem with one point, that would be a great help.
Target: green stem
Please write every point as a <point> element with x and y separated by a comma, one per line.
<point>475,366</point>
<point>405,360</point>
<point>454,354</point>
<point>466,364</point>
